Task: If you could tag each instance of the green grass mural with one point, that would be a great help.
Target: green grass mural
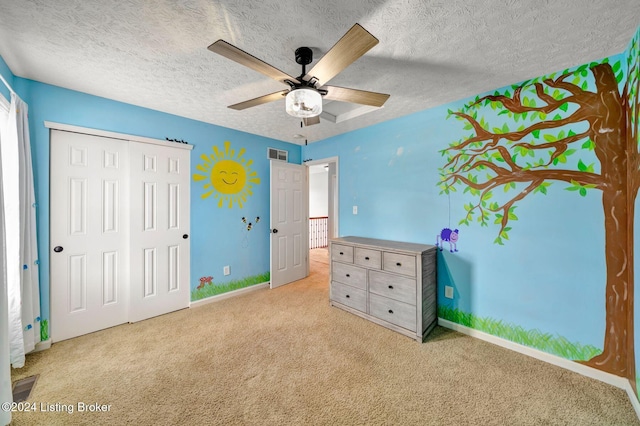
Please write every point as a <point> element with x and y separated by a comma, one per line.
<point>44,330</point>
<point>212,289</point>
<point>556,345</point>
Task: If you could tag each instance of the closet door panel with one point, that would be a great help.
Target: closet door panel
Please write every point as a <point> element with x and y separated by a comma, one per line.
<point>159,230</point>
<point>88,233</point>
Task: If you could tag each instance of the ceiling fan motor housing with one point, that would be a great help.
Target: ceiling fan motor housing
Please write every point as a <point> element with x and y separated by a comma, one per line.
<point>304,56</point>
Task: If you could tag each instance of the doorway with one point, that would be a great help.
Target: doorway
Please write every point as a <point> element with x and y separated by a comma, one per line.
<point>323,209</point>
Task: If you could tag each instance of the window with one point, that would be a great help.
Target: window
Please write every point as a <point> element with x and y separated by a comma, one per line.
<point>11,197</point>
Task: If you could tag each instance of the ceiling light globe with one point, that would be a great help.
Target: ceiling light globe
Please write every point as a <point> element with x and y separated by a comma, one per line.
<point>304,102</point>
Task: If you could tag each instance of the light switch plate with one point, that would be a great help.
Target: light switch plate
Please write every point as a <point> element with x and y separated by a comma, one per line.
<point>355,209</point>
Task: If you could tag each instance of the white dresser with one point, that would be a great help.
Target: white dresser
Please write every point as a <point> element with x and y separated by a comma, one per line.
<point>388,282</point>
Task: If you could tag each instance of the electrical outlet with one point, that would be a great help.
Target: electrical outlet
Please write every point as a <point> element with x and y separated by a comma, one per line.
<point>448,292</point>
<point>226,270</point>
<point>355,209</point>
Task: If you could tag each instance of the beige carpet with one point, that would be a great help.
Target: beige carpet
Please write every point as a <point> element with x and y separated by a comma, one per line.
<point>285,357</point>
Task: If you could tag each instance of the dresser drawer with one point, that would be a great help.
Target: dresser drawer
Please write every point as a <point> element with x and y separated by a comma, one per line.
<point>398,313</point>
<point>397,288</point>
<point>367,257</point>
<point>399,263</point>
<point>349,274</point>
<point>342,253</point>
<point>349,296</point>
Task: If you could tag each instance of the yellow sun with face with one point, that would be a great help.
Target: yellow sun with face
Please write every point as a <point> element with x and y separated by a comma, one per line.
<point>226,176</point>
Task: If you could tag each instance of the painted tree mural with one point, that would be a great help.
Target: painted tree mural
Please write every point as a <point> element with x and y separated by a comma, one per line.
<point>568,128</point>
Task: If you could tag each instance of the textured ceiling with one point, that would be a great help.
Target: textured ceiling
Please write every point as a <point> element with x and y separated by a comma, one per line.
<point>154,53</point>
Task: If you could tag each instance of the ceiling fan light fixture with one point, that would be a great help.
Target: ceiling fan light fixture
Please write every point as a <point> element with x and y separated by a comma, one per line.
<point>304,102</point>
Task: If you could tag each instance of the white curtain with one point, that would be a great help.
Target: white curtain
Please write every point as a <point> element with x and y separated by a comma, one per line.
<point>20,228</point>
<point>5,362</point>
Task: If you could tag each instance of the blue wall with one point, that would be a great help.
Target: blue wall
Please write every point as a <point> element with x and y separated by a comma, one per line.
<point>218,237</point>
<point>8,75</point>
<point>549,276</point>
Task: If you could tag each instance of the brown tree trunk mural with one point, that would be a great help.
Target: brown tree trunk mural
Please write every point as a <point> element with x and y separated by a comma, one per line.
<point>631,102</point>
<point>607,128</point>
<point>495,158</point>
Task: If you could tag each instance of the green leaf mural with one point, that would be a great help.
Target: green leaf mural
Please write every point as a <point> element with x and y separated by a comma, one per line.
<point>572,132</point>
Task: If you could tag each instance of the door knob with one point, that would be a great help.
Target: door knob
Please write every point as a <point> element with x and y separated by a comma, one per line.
<point>185,236</point>
<point>57,249</point>
<point>274,230</point>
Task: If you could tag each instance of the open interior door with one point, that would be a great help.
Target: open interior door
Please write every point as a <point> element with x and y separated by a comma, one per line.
<point>289,228</point>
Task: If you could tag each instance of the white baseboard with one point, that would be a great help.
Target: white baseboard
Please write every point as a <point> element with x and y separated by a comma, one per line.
<point>612,379</point>
<point>633,398</point>
<point>228,294</point>
<point>42,346</point>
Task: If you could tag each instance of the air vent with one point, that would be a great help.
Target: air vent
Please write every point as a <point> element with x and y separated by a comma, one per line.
<point>22,388</point>
<point>277,154</point>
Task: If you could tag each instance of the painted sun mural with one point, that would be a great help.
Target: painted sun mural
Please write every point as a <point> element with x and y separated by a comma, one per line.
<point>227,176</point>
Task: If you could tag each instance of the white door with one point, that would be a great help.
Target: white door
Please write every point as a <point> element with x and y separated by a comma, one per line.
<point>289,228</point>
<point>159,230</point>
<point>89,233</point>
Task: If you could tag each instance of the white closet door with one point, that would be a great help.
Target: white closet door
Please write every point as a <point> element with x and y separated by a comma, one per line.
<point>159,230</point>
<point>89,233</point>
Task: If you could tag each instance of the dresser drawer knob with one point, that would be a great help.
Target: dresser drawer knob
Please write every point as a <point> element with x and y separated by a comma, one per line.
<point>390,311</point>
<point>348,275</point>
<point>366,258</point>
<point>348,296</point>
<point>391,287</point>
<point>341,253</point>
<point>398,264</point>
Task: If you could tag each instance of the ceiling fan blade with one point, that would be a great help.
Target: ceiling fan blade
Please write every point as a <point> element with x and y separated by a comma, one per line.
<point>259,101</point>
<point>229,51</point>
<point>335,93</point>
<point>355,43</point>
<point>309,121</point>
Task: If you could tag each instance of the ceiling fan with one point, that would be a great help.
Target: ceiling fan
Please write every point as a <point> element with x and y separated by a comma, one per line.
<point>305,92</point>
